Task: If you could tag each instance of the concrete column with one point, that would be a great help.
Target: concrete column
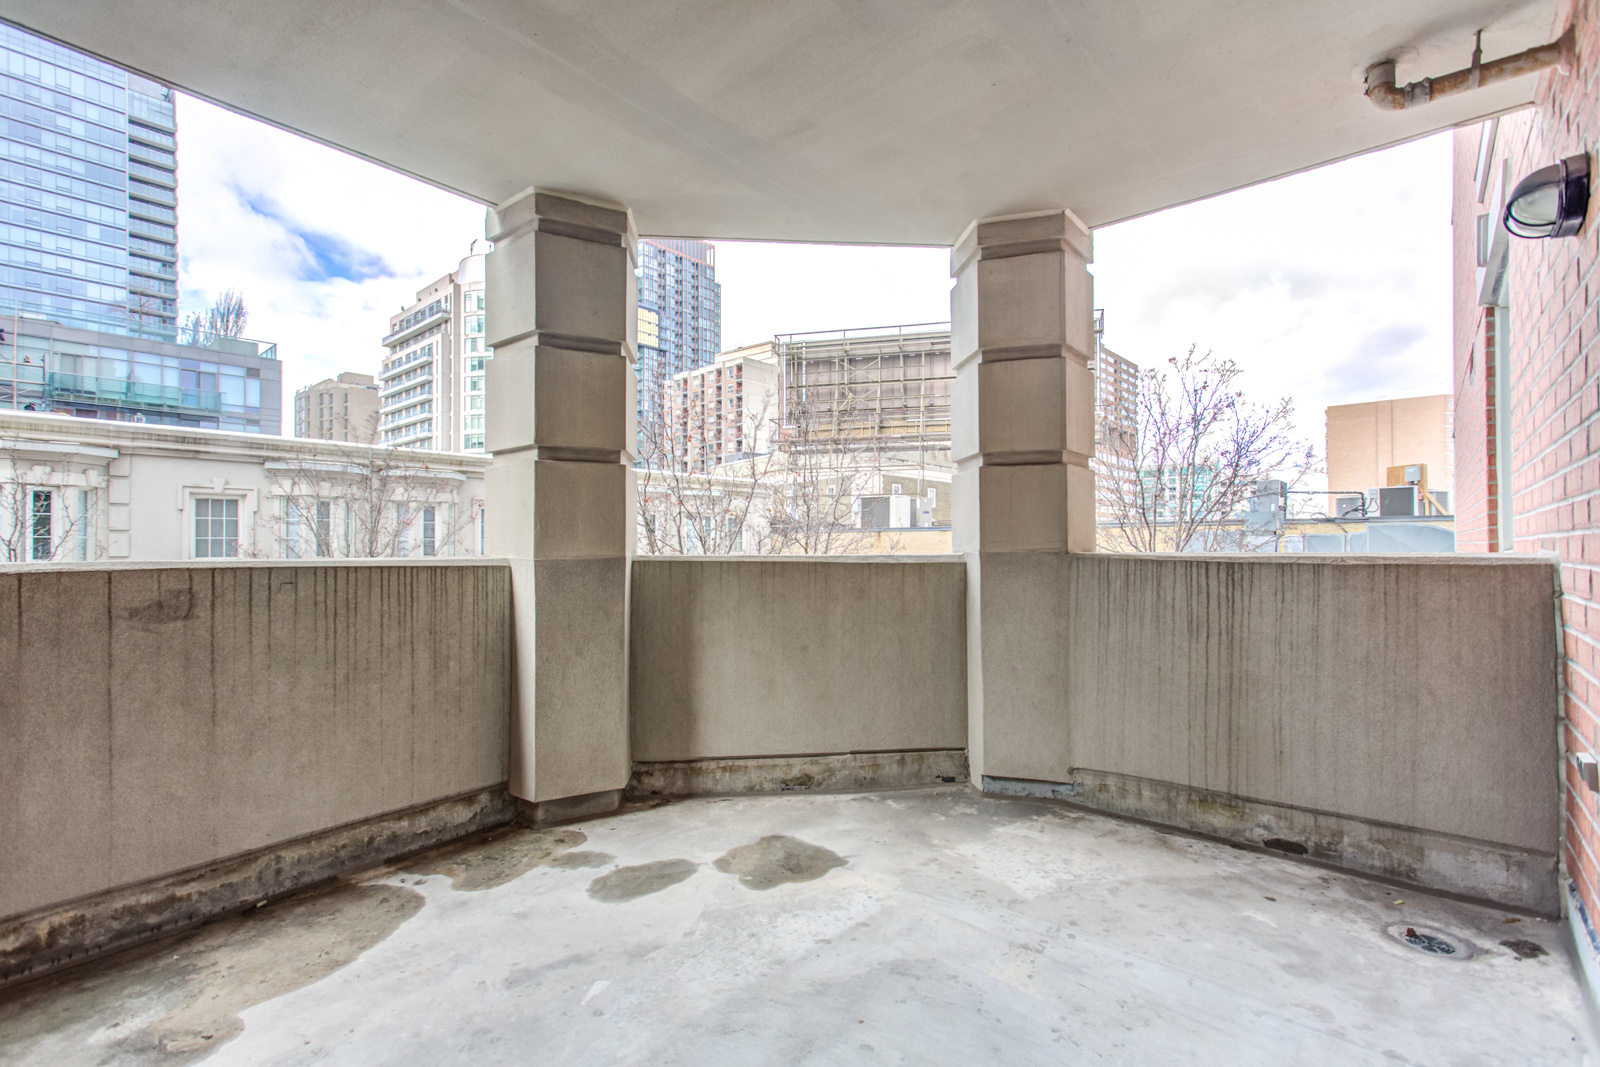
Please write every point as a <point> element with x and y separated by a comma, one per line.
<point>562,310</point>
<point>1022,332</point>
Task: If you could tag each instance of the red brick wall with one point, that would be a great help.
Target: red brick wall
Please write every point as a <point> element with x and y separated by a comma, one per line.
<point>1553,365</point>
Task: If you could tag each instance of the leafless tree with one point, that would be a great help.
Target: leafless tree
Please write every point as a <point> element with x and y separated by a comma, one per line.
<point>719,511</point>
<point>1200,451</point>
<point>37,521</point>
<point>375,502</point>
<point>226,317</point>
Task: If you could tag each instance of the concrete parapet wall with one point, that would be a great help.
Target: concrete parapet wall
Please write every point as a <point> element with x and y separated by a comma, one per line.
<point>160,718</point>
<point>850,772</point>
<point>734,658</point>
<point>1416,697</point>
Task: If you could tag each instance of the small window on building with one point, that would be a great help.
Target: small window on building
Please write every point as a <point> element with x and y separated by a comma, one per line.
<point>41,531</point>
<point>429,548</point>
<point>894,488</point>
<point>291,529</point>
<point>324,527</point>
<point>82,527</point>
<point>216,528</point>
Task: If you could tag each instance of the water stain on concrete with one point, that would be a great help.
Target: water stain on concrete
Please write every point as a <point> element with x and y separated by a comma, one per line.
<point>778,859</point>
<point>500,857</point>
<point>575,861</point>
<point>177,1001</point>
<point>631,883</point>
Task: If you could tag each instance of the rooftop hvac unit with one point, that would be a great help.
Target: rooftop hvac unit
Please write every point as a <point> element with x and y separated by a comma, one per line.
<point>874,512</point>
<point>1397,500</point>
<point>1349,507</point>
<point>895,512</point>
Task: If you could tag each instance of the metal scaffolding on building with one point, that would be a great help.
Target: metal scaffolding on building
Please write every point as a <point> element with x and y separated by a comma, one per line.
<point>885,389</point>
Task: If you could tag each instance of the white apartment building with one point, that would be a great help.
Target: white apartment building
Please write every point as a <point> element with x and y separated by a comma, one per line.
<point>89,490</point>
<point>337,409</point>
<point>430,390</point>
<point>718,413</point>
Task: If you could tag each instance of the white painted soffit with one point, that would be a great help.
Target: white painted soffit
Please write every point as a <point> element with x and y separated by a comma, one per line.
<point>894,121</point>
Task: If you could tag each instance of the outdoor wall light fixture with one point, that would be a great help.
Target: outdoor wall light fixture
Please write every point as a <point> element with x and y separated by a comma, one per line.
<point>1552,201</point>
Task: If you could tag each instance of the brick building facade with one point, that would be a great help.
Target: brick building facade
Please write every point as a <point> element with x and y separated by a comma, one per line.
<point>1527,386</point>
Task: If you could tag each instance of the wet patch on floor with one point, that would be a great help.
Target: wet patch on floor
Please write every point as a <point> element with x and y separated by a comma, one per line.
<point>500,857</point>
<point>576,861</point>
<point>1524,950</point>
<point>631,883</point>
<point>177,1001</point>
<point>778,859</point>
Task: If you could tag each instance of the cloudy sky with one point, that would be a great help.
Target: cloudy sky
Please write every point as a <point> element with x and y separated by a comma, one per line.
<point>1330,287</point>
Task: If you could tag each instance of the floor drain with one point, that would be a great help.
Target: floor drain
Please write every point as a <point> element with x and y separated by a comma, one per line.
<point>1429,943</point>
<point>1441,944</point>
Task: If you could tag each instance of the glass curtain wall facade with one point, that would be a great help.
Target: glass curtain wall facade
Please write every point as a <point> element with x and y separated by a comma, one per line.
<point>88,191</point>
<point>680,326</point>
<point>232,384</point>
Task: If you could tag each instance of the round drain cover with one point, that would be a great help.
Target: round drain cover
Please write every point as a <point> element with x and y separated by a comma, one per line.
<point>1438,943</point>
<point>1429,943</point>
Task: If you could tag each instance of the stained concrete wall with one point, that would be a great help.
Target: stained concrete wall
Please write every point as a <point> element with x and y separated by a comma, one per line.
<point>1415,693</point>
<point>746,657</point>
<point>158,717</point>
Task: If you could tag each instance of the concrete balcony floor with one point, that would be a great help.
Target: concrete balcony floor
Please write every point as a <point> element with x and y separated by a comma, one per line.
<point>928,926</point>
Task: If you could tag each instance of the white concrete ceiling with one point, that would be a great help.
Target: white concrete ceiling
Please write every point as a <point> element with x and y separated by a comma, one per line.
<point>892,121</point>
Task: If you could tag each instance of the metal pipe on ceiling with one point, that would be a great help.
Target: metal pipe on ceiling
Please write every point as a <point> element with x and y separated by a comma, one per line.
<point>1383,92</point>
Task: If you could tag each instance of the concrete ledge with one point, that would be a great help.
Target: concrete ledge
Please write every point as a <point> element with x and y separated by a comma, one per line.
<point>568,809</point>
<point>50,938</point>
<point>841,772</point>
<point>1484,870</point>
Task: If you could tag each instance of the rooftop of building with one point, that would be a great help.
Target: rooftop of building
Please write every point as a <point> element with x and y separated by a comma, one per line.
<point>829,929</point>
<point>68,430</point>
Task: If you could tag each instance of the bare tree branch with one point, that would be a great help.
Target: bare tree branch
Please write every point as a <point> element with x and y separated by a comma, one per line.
<point>1201,449</point>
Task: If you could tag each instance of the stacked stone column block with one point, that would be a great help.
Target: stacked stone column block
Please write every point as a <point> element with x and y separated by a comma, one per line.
<point>562,310</point>
<point>1022,330</point>
<point>1022,334</point>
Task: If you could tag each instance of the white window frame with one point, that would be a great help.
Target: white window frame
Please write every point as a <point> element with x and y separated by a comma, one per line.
<point>248,503</point>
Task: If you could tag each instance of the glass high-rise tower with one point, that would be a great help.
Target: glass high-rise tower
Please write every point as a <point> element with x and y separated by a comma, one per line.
<point>680,325</point>
<point>89,255</point>
<point>88,192</point>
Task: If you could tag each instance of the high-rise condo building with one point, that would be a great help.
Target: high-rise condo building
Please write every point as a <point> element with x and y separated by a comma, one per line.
<point>680,324</point>
<point>430,391</point>
<point>1116,430</point>
<point>89,192</point>
<point>337,409</point>
<point>89,255</point>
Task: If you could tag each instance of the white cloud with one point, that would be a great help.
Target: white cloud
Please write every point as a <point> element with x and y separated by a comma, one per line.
<point>323,245</point>
<point>1331,286</point>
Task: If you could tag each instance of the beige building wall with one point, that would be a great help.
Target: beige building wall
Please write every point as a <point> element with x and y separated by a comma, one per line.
<point>141,488</point>
<point>338,409</point>
<point>1365,440</point>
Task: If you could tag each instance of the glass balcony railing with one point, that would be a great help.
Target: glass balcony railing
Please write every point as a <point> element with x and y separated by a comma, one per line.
<point>119,391</point>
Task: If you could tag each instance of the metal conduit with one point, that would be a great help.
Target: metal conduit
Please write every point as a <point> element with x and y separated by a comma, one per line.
<point>1383,92</point>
